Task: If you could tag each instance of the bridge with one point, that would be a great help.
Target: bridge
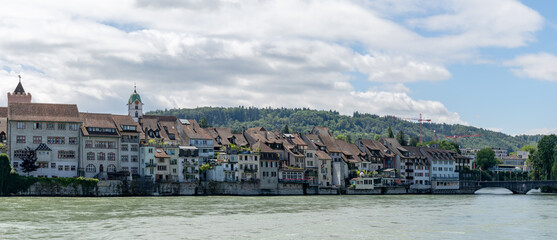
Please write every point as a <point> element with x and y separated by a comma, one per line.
<point>520,187</point>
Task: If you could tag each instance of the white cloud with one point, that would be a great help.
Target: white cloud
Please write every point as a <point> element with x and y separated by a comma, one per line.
<point>542,131</point>
<point>541,66</point>
<point>262,53</point>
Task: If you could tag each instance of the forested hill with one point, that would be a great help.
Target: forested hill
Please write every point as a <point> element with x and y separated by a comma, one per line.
<point>357,126</point>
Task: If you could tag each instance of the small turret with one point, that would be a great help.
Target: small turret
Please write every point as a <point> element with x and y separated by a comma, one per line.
<point>19,95</point>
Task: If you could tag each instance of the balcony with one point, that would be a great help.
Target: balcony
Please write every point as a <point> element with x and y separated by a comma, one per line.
<point>150,165</point>
<point>451,179</point>
<point>250,170</point>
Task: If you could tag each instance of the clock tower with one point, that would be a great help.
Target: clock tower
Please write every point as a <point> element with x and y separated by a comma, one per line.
<point>135,106</point>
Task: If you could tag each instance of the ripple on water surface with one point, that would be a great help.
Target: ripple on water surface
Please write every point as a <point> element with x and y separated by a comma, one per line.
<point>292,217</point>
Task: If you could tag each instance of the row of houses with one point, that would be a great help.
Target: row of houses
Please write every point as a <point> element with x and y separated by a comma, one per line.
<point>70,143</point>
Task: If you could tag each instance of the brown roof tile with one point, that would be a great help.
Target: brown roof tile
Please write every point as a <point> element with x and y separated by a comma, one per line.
<point>43,112</point>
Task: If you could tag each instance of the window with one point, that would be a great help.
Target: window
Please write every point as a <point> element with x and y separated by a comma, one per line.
<point>129,128</point>
<point>15,164</point>
<point>72,140</point>
<point>111,157</point>
<point>60,168</point>
<point>100,156</point>
<point>136,114</point>
<point>37,125</point>
<point>90,156</point>
<point>150,150</point>
<point>125,169</point>
<point>310,163</point>
<point>134,148</point>
<point>90,168</point>
<point>125,147</point>
<point>73,168</point>
<point>66,168</point>
<point>170,151</point>
<point>61,126</point>
<point>53,165</point>
<point>66,155</point>
<point>135,170</point>
<point>73,126</point>
<point>50,126</point>
<point>20,125</point>
<point>37,139</point>
<point>134,158</point>
<point>20,139</point>
<point>124,158</point>
<point>89,144</point>
<point>111,168</point>
<point>161,167</point>
<point>19,153</point>
<point>56,140</point>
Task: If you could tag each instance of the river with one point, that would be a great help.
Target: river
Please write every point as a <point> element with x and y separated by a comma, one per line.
<point>290,217</point>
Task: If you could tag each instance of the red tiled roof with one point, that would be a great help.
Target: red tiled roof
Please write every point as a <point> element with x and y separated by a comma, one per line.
<point>43,112</point>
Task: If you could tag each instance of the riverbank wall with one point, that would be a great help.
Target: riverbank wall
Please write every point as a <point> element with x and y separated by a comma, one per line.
<point>116,188</point>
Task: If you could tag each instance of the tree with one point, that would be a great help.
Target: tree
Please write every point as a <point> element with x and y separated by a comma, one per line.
<point>390,133</point>
<point>285,130</point>
<point>449,146</point>
<point>5,169</point>
<point>401,138</point>
<point>376,137</point>
<point>29,163</point>
<point>348,138</point>
<point>203,122</point>
<point>414,141</point>
<point>546,155</point>
<point>528,148</point>
<point>485,158</point>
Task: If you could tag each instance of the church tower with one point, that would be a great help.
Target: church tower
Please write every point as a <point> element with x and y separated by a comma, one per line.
<point>135,106</point>
<point>19,95</point>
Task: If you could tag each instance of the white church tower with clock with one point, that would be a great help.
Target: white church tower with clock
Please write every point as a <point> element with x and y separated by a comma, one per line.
<point>135,106</point>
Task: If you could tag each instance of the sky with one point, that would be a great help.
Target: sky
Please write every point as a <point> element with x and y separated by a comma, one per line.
<point>484,63</point>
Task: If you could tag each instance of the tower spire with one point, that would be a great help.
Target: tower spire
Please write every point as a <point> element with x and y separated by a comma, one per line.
<point>19,78</point>
<point>134,88</point>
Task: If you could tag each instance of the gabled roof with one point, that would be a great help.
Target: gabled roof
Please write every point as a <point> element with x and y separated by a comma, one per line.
<point>160,153</point>
<point>97,120</point>
<point>163,125</point>
<point>350,151</point>
<point>322,155</point>
<point>327,138</point>
<point>393,145</point>
<point>43,147</point>
<point>376,146</point>
<point>43,112</point>
<point>126,120</point>
<point>193,130</point>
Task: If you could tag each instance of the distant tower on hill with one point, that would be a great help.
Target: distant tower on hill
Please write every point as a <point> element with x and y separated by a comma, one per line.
<point>19,95</point>
<point>135,106</point>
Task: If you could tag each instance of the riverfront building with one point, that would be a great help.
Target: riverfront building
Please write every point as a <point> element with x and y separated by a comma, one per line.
<point>167,149</point>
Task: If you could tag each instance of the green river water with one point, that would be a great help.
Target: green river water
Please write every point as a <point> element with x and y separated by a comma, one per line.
<point>289,217</point>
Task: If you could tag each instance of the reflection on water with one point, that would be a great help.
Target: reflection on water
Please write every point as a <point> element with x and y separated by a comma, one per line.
<point>494,191</point>
<point>292,217</point>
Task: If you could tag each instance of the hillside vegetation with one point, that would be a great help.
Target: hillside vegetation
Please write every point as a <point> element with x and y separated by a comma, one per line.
<point>356,126</point>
